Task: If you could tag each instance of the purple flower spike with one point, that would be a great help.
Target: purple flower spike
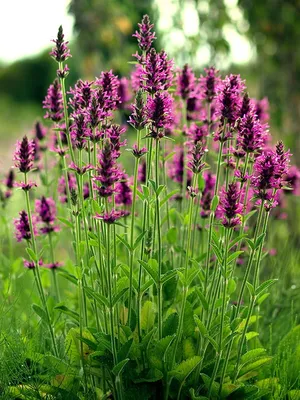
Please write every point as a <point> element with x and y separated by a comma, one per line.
<point>79,131</point>
<point>123,191</point>
<point>138,118</point>
<point>123,92</point>
<point>82,94</point>
<point>23,228</point>
<point>46,211</point>
<point>262,110</point>
<point>251,133</point>
<point>209,84</point>
<point>60,52</point>
<point>138,153</point>
<point>177,166</point>
<point>53,103</point>
<point>53,265</point>
<point>110,217</point>
<point>24,155</point>
<point>207,194</point>
<point>31,264</point>
<point>159,111</point>
<point>185,82</point>
<point>62,189</point>
<point>157,73</point>
<point>114,133</point>
<point>197,133</point>
<point>9,181</point>
<point>39,131</point>
<point>196,163</point>
<point>230,207</point>
<point>82,170</point>
<point>229,99</point>
<point>145,36</point>
<point>107,173</point>
<point>109,83</point>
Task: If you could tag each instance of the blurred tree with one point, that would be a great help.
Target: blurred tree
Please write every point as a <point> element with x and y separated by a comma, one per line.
<point>105,29</point>
<point>27,80</point>
<point>274,28</point>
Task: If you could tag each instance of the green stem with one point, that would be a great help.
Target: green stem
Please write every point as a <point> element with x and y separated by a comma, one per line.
<point>159,241</point>
<point>56,289</point>
<point>253,299</point>
<point>37,272</point>
<point>131,258</point>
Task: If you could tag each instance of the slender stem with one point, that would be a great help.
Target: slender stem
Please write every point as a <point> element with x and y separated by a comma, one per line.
<point>56,289</point>
<point>159,257</point>
<point>253,299</point>
<point>131,257</point>
<point>37,272</point>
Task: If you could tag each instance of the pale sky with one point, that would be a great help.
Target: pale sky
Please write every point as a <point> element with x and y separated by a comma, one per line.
<point>27,26</point>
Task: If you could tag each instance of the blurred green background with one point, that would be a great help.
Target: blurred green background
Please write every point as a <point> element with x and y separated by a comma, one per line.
<point>252,37</point>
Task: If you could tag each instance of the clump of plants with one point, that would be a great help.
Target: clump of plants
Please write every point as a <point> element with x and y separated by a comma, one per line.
<point>152,231</point>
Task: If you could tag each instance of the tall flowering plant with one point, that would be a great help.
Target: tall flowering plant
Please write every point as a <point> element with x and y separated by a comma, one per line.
<point>149,301</point>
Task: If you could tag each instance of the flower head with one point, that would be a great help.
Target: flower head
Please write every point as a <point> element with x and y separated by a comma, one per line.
<point>110,217</point>
<point>53,102</point>
<point>39,131</point>
<point>107,173</point>
<point>46,214</point>
<point>62,189</point>
<point>159,110</point>
<point>108,83</point>
<point>81,95</point>
<point>123,191</point>
<point>145,36</point>
<point>114,133</point>
<point>61,51</point>
<point>9,180</point>
<point>209,84</point>
<point>251,133</point>
<point>31,264</point>
<point>138,118</point>
<point>185,82</point>
<point>230,206</point>
<point>123,92</point>
<point>262,110</point>
<point>22,227</point>
<point>24,155</point>
<point>229,99</point>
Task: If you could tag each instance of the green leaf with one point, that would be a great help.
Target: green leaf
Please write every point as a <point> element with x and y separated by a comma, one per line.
<point>138,239</point>
<point>255,365</point>
<point>213,342</point>
<point>168,275</point>
<point>159,190</point>
<point>31,254</point>
<point>185,368</point>
<point>148,315</point>
<point>231,286</point>
<point>117,369</point>
<point>214,203</point>
<point>151,267</point>
<point>201,326</point>
<point>265,285</point>
<point>168,196</point>
<point>262,298</point>
<point>124,350</point>
<point>236,241</point>
<point>66,222</point>
<point>40,312</point>
<point>96,207</point>
<point>252,355</point>
<point>192,274</point>
<point>172,235</point>
<point>69,277</point>
<point>189,324</point>
<point>233,256</point>
<point>250,288</point>
<point>126,244</point>
<point>250,243</point>
<point>202,299</point>
<point>214,386</point>
<point>259,240</point>
<point>118,296</point>
<point>98,297</point>
<point>67,311</point>
<point>170,325</point>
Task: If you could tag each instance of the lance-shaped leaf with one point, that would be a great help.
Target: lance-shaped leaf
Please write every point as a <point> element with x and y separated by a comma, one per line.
<point>185,368</point>
<point>151,267</point>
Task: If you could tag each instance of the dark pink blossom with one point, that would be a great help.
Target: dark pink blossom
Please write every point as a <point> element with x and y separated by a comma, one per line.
<point>138,118</point>
<point>31,264</point>
<point>144,35</point>
<point>114,133</point>
<point>209,84</point>
<point>123,92</point>
<point>45,209</point>
<point>159,110</point>
<point>230,206</point>
<point>53,102</point>
<point>123,191</point>
<point>110,217</point>
<point>185,82</point>
<point>22,227</point>
<point>251,133</point>
<point>81,95</point>
<point>60,52</point>
<point>62,190</point>
<point>24,155</point>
